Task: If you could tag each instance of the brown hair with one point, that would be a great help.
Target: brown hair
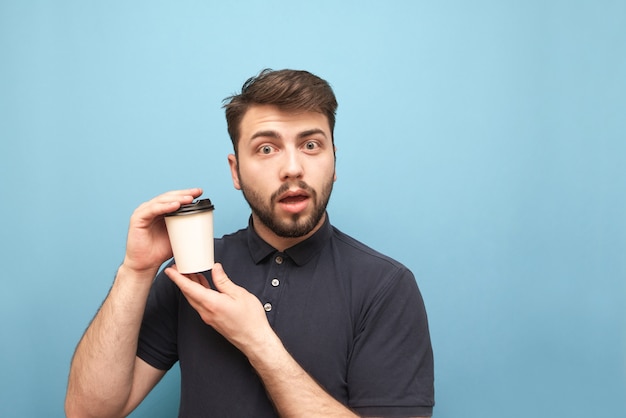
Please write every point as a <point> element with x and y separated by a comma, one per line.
<point>291,90</point>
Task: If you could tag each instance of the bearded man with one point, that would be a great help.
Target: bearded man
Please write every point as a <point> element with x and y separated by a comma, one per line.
<point>297,319</point>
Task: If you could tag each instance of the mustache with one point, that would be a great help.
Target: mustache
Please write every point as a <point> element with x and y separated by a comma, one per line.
<point>286,186</point>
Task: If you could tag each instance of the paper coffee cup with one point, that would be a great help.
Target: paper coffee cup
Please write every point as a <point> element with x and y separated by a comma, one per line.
<point>190,230</point>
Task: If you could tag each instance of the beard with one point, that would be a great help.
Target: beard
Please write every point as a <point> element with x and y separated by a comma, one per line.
<point>298,225</point>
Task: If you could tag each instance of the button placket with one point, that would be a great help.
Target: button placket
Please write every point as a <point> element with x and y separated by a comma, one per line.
<point>273,286</point>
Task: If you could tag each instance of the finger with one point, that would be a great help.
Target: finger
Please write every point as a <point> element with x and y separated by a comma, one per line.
<point>196,277</point>
<point>153,209</point>
<point>199,278</point>
<point>222,283</point>
<point>193,291</point>
<point>177,195</point>
<point>167,203</point>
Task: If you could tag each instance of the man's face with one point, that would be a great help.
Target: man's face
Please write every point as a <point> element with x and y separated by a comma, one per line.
<point>285,167</point>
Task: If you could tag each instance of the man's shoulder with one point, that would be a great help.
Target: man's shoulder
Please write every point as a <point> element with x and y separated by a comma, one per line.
<point>235,235</point>
<point>234,242</point>
<point>361,253</point>
<point>369,274</point>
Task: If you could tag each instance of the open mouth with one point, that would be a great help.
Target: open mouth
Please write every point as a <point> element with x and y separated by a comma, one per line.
<point>294,201</point>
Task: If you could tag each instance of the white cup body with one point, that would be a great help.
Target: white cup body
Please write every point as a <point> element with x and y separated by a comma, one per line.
<point>191,237</point>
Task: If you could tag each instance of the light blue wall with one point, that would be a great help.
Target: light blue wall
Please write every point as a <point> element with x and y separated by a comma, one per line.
<point>482,143</point>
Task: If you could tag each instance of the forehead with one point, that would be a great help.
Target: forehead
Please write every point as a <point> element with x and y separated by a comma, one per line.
<point>285,122</point>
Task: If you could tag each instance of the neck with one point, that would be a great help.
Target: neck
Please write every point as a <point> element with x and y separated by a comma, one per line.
<point>278,242</point>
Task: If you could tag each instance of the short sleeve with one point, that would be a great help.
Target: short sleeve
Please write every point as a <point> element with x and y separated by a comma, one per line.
<point>391,365</point>
<point>159,328</point>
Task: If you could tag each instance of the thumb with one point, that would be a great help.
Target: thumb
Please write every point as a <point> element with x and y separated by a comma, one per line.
<point>221,281</point>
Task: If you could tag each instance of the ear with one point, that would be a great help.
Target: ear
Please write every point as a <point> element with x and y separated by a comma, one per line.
<point>234,171</point>
<point>335,171</point>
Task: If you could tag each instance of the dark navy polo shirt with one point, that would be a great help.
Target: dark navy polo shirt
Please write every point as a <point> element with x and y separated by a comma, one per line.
<point>353,318</point>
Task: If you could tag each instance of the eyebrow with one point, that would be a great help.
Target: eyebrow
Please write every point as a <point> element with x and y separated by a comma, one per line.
<point>267,134</point>
<point>276,135</point>
<point>310,132</point>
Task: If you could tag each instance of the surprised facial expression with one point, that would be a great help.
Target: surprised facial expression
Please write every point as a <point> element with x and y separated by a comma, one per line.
<point>285,167</point>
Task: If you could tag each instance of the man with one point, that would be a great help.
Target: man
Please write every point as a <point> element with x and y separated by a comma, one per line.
<point>307,323</point>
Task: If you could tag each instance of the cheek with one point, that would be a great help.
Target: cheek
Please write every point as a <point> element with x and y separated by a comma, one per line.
<point>251,173</point>
<point>327,170</point>
<point>255,179</point>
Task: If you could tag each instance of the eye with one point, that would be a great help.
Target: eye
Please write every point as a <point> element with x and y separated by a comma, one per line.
<point>310,145</point>
<point>265,149</point>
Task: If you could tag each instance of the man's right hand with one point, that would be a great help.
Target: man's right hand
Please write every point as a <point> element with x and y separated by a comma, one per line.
<point>148,245</point>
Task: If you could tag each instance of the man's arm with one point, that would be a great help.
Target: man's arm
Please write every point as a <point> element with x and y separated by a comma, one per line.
<point>293,391</point>
<point>106,377</point>
<point>105,365</point>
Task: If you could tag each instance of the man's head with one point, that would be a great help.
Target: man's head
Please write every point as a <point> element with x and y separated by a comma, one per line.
<point>281,126</point>
<point>289,90</point>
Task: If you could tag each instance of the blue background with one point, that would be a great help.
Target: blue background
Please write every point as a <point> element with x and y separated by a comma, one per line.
<point>481,143</point>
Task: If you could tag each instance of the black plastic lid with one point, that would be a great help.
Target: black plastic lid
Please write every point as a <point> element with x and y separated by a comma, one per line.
<point>202,205</point>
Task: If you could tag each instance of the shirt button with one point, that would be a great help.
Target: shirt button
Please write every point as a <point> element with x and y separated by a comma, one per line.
<point>275,282</point>
<point>278,259</point>
<point>267,307</point>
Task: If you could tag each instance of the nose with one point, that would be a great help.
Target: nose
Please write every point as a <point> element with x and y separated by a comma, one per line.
<point>291,165</point>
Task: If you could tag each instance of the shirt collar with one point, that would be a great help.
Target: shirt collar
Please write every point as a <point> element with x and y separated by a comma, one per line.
<point>300,253</point>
